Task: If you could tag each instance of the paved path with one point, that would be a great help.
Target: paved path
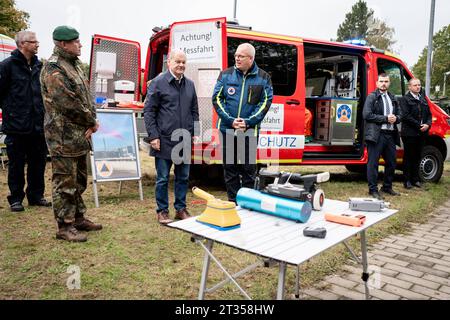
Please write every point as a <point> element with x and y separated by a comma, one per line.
<point>415,265</point>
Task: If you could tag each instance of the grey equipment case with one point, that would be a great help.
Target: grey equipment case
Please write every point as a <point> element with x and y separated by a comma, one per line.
<point>367,204</point>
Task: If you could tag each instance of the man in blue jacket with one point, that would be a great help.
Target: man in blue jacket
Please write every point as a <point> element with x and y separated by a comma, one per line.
<point>170,111</point>
<point>23,119</point>
<point>242,97</point>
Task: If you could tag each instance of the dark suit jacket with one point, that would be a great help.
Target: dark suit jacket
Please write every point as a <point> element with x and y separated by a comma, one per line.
<point>414,113</point>
<point>373,114</point>
<point>169,106</point>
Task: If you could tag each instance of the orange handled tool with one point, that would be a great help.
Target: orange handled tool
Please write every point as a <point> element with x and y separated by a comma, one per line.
<point>347,219</point>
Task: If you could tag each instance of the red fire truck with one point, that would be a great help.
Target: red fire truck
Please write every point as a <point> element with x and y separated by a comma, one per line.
<point>330,79</point>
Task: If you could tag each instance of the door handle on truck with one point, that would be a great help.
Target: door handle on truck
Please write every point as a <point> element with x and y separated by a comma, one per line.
<point>293,102</point>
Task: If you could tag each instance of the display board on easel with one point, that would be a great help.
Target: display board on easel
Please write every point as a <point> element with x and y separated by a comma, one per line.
<point>115,155</point>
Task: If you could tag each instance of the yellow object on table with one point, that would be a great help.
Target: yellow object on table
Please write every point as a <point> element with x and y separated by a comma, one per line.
<point>219,214</point>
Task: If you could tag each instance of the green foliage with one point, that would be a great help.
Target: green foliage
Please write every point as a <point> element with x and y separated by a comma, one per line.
<point>11,19</point>
<point>356,23</point>
<point>440,64</point>
<point>360,23</point>
<point>380,35</point>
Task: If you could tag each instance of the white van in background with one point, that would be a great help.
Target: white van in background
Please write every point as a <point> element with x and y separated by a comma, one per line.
<point>7,45</point>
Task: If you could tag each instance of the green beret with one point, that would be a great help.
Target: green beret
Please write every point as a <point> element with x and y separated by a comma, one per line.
<point>65,33</point>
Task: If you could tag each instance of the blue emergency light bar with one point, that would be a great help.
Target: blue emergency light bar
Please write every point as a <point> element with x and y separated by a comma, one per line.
<point>357,42</point>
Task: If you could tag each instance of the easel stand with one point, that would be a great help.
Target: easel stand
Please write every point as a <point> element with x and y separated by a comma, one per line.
<point>94,184</point>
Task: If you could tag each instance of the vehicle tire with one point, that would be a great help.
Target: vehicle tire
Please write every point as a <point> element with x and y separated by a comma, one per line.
<point>318,199</point>
<point>431,164</point>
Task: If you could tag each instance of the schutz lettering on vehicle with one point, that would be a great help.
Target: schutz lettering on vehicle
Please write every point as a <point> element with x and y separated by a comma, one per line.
<point>281,141</point>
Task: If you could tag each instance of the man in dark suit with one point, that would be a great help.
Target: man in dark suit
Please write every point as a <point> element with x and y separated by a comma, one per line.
<point>416,121</point>
<point>170,111</point>
<point>381,114</point>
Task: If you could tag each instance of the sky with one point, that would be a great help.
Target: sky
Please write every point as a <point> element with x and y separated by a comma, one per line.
<point>319,19</point>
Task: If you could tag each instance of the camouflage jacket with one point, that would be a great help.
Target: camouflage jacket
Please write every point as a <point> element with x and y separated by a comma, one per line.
<point>68,105</point>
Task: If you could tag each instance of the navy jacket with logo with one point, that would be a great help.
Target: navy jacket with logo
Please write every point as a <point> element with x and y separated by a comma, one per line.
<point>242,96</point>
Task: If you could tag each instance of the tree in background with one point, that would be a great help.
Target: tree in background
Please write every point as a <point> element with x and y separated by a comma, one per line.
<point>356,23</point>
<point>360,23</point>
<point>380,35</point>
<point>11,19</point>
<point>441,62</point>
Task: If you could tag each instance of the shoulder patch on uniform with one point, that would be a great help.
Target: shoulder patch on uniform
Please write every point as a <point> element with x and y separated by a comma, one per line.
<point>53,59</point>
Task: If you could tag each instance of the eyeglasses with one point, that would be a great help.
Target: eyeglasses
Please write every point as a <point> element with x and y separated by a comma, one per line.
<point>240,57</point>
<point>34,41</point>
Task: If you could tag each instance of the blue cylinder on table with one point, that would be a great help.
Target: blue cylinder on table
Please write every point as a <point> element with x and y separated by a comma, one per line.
<point>281,207</point>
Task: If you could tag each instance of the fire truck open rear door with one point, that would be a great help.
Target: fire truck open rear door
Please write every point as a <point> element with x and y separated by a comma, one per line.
<point>115,70</point>
<point>205,46</point>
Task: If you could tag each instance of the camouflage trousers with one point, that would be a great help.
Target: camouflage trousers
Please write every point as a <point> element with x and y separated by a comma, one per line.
<point>69,181</point>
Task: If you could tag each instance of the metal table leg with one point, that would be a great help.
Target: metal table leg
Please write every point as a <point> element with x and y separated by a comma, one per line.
<point>206,267</point>
<point>281,279</point>
<point>365,275</point>
<point>297,282</point>
<point>206,262</point>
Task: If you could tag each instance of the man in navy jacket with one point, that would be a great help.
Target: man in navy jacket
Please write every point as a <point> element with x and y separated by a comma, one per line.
<point>416,122</point>
<point>242,97</point>
<point>23,119</point>
<point>170,111</point>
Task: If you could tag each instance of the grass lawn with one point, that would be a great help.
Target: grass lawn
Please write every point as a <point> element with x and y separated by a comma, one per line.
<point>134,257</point>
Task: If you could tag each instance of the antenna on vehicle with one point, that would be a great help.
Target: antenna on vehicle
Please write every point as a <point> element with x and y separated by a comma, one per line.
<point>234,12</point>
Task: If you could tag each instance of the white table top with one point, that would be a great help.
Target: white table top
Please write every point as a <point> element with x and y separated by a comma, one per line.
<point>281,239</point>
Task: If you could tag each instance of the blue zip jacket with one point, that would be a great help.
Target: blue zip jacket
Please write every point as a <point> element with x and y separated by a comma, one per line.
<point>242,96</point>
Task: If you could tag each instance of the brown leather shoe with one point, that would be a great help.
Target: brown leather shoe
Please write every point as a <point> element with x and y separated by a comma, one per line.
<point>86,225</point>
<point>182,214</point>
<point>69,233</point>
<point>163,217</point>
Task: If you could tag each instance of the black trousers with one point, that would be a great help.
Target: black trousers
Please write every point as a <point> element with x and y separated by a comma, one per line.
<point>412,147</point>
<point>239,160</point>
<point>29,149</point>
<point>385,147</point>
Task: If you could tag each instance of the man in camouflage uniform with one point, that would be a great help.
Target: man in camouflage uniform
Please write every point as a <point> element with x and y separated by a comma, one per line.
<point>68,125</point>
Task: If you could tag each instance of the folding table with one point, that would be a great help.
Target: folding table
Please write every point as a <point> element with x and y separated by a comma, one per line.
<point>279,241</point>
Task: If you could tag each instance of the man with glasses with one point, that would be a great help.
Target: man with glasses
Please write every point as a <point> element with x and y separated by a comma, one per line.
<point>170,113</point>
<point>23,119</point>
<point>242,97</point>
<point>381,115</point>
<point>69,123</point>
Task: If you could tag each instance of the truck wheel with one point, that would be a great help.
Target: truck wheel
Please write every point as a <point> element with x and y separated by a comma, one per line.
<point>431,164</point>
<point>318,199</point>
